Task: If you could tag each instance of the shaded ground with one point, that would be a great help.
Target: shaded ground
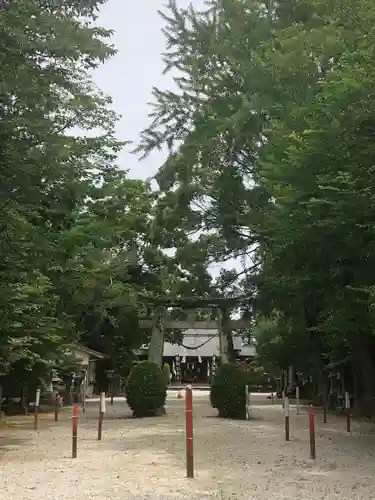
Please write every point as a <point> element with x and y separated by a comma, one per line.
<point>145,458</point>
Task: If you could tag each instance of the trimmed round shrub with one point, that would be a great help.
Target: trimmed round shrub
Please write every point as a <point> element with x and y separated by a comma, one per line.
<point>166,373</point>
<point>228,391</point>
<point>146,390</point>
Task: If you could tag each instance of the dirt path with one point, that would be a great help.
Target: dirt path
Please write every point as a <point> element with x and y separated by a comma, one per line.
<point>145,459</point>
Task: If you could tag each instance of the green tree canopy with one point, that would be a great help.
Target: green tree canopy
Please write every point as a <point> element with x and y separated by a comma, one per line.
<point>270,138</point>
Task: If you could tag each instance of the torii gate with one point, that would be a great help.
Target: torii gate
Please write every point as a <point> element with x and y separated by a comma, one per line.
<point>222,323</point>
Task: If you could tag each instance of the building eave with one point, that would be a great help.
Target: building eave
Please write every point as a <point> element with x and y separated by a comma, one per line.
<point>92,352</point>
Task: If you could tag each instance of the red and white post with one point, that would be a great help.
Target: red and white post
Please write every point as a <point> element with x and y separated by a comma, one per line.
<point>286,416</point>
<point>36,409</point>
<point>347,411</point>
<point>189,432</point>
<point>312,432</point>
<point>74,431</point>
<point>101,415</point>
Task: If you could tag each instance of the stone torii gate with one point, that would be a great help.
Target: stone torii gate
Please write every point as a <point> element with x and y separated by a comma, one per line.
<point>222,323</point>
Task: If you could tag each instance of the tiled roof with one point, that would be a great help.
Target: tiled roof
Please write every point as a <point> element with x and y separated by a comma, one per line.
<point>91,352</point>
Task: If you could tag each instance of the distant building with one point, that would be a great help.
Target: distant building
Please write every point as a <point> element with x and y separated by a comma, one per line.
<point>199,355</point>
<point>89,359</point>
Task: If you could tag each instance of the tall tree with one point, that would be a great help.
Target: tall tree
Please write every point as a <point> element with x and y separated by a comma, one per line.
<point>270,143</point>
<point>48,172</point>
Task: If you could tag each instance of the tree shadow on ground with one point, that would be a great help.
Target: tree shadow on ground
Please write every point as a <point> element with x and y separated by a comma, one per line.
<point>8,443</point>
<point>255,418</point>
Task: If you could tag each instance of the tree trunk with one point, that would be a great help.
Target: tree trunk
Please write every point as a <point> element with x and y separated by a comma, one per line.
<point>155,352</point>
<point>24,400</point>
<point>290,375</point>
<point>368,374</point>
<point>285,380</point>
<point>68,399</point>
<point>356,389</point>
<point>1,400</point>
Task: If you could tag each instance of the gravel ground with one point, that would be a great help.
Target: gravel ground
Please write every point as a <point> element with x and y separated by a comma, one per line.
<point>145,458</point>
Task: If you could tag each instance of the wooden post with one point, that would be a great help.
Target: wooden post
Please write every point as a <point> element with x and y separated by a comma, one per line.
<point>101,415</point>
<point>84,383</point>
<point>247,403</point>
<point>57,406</point>
<point>286,415</point>
<point>347,411</point>
<point>36,409</point>
<point>297,399</point>
<point>75,430</point>
<point>189,432</point>
<point>312,432</point>
<point>24,402</point>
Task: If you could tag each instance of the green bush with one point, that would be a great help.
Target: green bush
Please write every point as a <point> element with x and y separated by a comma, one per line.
<point>166,373</point>
<point>146,390</point>
<point>228,391</point>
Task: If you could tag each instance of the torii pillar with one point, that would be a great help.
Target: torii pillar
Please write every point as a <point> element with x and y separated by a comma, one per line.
<point>223,340</point>
<point>155,351</point>
<point>224,326</point>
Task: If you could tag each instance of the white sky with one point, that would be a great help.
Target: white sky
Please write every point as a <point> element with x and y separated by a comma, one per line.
<point>129,76</point>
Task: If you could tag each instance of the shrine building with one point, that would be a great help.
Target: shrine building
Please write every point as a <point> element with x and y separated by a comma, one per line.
<point>196,359</point>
